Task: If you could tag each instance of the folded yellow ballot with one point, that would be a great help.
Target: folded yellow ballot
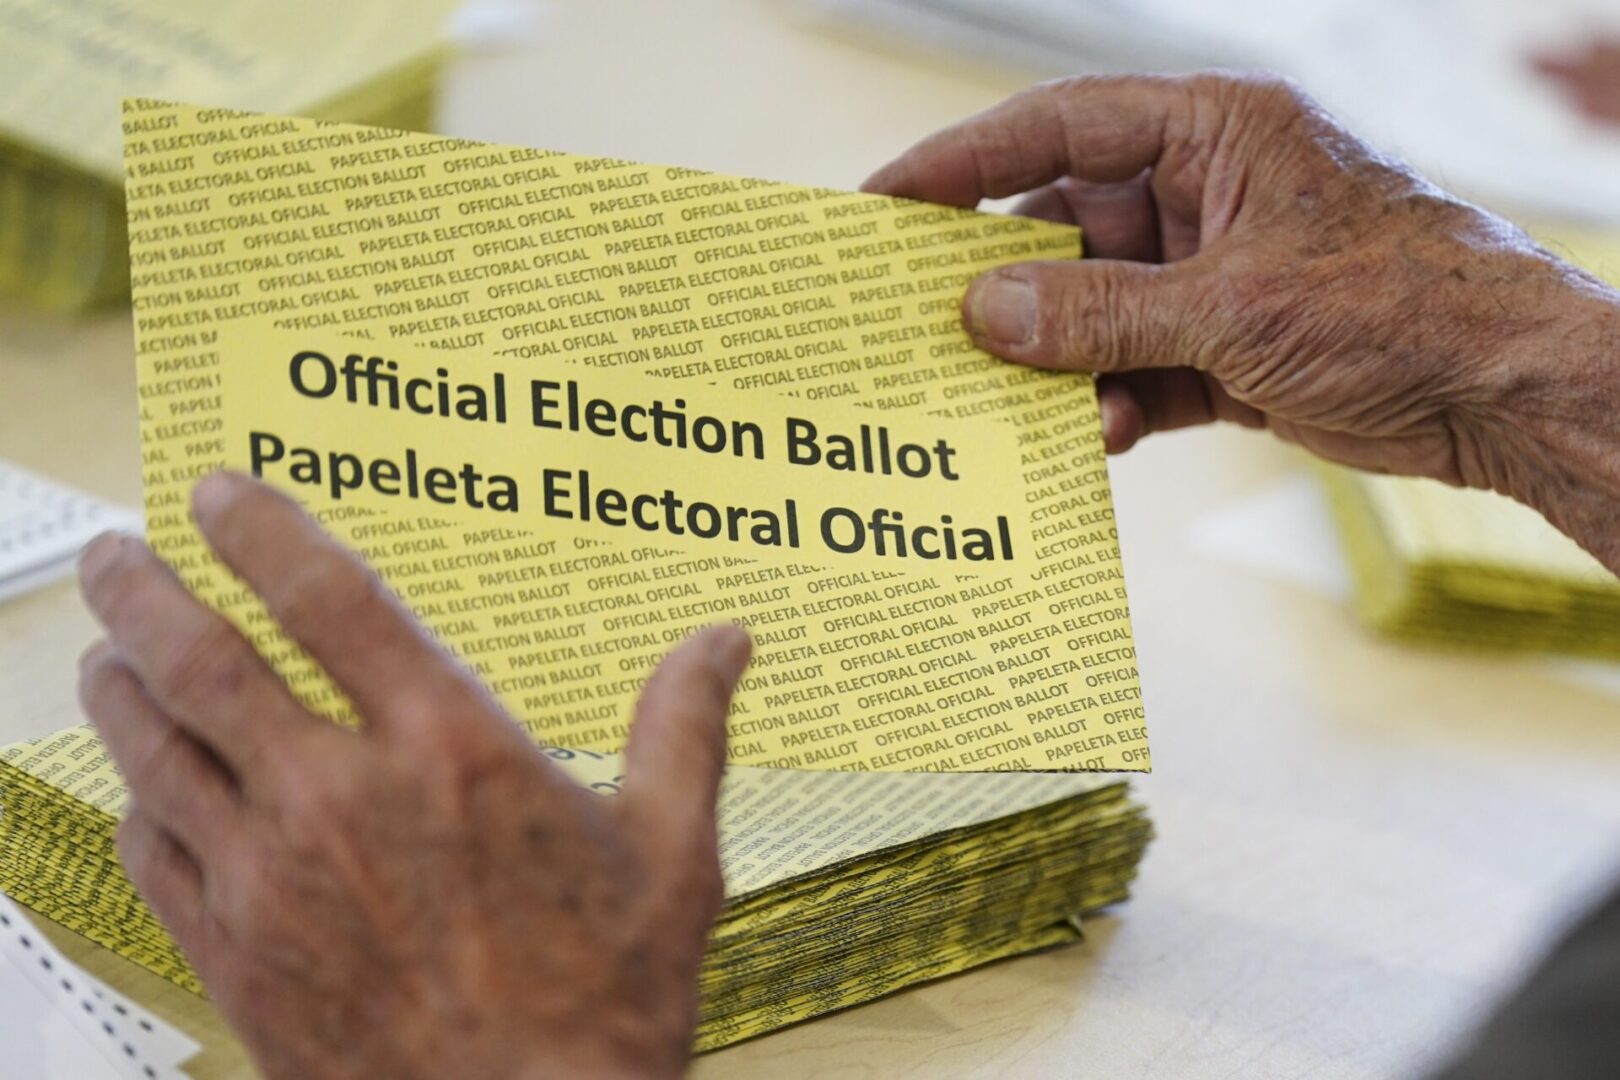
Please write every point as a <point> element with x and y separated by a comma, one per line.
<point>445,348</point>
<point>67,66</point>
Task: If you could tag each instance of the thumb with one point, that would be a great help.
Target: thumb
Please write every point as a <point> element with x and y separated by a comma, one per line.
<point>676,751</point>
<point>1094,315</point>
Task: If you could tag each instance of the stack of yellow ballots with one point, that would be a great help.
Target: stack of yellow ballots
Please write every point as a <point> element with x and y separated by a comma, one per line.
<point>63,235</point>
<point>1470,568</point>
<point>841,887</point>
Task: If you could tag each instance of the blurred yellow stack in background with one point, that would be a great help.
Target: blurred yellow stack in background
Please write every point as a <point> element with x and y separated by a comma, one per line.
<point>1471,568</point>
<point>63,238</point>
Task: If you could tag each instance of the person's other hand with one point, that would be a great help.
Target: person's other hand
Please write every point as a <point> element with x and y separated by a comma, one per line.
<point>1252,261</point>
<point>1589,77</point>
<point>427,896</point>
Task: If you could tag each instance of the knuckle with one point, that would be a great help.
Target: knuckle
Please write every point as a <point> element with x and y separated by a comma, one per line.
<point>1266,88</point>
<point>208,666</point>
<point>1095,325</point>
<point>449,720</point>
<point>131,844</point>
<point>253,893</point>
<point>1002,163</point>
<point>1065,86</point>
<point>1070,86</point>
<point>1282,92</point>
<point>317,806</point>
<point>97,678</point>
<point>115,584</point>
<point>454,764</point>
<point>330,587</point>
<point>148,772</point>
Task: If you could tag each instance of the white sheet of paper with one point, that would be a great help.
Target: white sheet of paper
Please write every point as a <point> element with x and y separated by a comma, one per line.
<point>43,524</point>
<point>41,1042</point>
<point>57,1022</point>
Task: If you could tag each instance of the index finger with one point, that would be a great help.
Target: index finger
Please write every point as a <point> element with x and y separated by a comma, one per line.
<point>197,666</point>
<point>331,603</point>
<point>1105,129</point>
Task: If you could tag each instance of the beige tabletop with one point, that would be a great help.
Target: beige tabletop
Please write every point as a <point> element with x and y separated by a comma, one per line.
<point>1360,845</point>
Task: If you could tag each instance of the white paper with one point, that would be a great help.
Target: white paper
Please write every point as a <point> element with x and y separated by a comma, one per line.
<point>59,1023</point>
<point>43,524</point>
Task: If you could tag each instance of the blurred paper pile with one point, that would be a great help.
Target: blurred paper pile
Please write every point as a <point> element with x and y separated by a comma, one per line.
<point>63,243</point>
<point>1470,568</point>
<point>841,887</point>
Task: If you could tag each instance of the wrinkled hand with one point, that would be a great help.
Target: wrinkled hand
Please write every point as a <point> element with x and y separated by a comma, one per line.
<point>427,896</point>
<point>1254,262</point>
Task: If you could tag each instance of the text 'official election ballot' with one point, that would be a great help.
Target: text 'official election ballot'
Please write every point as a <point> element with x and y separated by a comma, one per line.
<point>444,348</point>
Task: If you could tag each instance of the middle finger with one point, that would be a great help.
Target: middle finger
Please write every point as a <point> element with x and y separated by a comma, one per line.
<point>199,670</point>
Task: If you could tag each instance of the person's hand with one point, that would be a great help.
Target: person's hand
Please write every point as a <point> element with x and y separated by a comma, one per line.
<point>428,896</point>
<point>1252,261</point>
<point>1589,77</point>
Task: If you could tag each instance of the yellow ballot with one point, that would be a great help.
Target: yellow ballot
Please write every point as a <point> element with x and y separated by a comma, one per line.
<point>445,347</point>
<point>1471,569</point>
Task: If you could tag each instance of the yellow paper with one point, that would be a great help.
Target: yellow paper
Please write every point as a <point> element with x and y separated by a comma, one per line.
<point>776,825</point>
<point>534,265</point>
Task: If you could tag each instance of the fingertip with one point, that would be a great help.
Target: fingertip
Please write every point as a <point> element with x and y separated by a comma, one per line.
<point>999,311</point>
<point>215,493</point>
<point>676,753</point>
<point>1121,416</point>
<point>885,181</point>
<point>729,648</point>
<point>96,557</point>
